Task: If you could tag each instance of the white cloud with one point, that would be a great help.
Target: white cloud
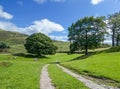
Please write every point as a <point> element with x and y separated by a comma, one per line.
<point>44,26</point>
<point>59,38</point>
<point>95,2</point>
<point>43,1</point>
<point>4,14</point>
<point>8,26</point>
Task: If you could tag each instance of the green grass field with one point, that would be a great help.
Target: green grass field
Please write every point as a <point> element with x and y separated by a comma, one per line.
<point>23,72</point>
<point>104,65</point>
<point>62,80</point>
<point>19,73</point>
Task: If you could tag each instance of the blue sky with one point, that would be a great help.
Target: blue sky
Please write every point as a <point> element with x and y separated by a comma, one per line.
<point>52,17</point>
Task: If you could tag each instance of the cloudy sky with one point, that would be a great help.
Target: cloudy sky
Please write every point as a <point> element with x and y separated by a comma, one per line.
<point>51,17</point>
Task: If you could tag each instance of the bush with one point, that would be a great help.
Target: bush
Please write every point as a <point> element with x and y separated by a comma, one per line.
<point>114,49</point>
<point>3,45</point>
<point>105,45</point>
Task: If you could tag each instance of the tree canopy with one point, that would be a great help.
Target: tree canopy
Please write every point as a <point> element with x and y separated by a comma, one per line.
<point>40,44</point>
<point>3,45</point>
<point>86,33</point>
<point>114,26</point>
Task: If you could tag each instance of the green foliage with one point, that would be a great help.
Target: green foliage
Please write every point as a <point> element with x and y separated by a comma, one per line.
<point>103,45</point>
<point>3,45</point>
<point>40,44</point>
<point>114,49</point>
<point>64,81</point>
<point>114,25</point>
<point>86,33</point>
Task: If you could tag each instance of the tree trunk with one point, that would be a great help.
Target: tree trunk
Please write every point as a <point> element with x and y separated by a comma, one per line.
<point>117,40</point>
<point>86,50</point>
<point>113,38</point>
<point>86,44</point>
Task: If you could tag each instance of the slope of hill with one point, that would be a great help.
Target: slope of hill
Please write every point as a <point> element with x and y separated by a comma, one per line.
<point>17,40</point>
<point>104,66</point>
<point>12,38</point>
<point>62,46</point>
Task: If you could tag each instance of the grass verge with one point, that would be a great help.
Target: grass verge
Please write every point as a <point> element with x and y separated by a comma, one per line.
<point>103,66</point>
<point>62,80</point>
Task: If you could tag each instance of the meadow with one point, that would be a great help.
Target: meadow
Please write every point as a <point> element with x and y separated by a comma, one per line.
<point>17,72</point>
<point>102,66</point>
<point>64,81</point>
<point>23,72</point>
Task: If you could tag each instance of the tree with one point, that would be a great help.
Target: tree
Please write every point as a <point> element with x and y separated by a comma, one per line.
<point>3,45</point>
<point>40,44</point>
<point>86,33</point>
<point>114,26</point>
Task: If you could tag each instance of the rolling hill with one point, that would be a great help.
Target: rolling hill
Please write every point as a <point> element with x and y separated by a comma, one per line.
<point>16,41</point>
<point>12,38</point>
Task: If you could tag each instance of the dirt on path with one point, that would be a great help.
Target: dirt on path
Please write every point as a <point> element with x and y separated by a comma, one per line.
<point>45,81</point>
<point>88,83</point>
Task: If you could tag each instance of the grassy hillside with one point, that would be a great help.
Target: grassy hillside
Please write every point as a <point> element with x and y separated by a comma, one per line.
<point>103,65</point>
<point>12,38</point>
<point>62,46</point>
<point>17,40</point>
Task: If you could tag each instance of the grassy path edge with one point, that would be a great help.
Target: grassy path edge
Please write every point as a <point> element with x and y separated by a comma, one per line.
<point>87,82</point>
<point>45,80</point>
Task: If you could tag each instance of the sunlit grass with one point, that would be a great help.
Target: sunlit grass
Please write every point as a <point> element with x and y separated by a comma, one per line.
<point>105,65</point>
<point>17,72</point>
<point>63,80</point>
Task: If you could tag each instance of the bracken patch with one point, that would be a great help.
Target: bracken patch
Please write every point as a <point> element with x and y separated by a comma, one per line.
<point>5,64</point>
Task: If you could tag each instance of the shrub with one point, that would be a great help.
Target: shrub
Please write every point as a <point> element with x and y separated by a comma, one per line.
<point>114,49</point>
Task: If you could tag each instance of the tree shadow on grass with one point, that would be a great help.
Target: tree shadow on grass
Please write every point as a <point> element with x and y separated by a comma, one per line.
<point>54,63</point>
<point>30,56</point>
<point>91,54</point>
<point>83,56</point>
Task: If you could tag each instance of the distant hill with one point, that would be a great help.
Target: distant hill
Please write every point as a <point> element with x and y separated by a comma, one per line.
<point>16,41</point>
<point>62,46</point>
<point>12,38</point>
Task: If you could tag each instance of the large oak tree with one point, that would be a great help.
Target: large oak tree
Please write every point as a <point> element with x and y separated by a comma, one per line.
<point>86,33</point>
<point>40,44</point>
